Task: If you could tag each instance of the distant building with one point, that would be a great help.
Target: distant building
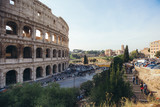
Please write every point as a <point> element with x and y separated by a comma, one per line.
<point>145,52</point>
<point>122,47</point>
<point>110,52</point>
<point>154,47</point>
<point>119,52</point>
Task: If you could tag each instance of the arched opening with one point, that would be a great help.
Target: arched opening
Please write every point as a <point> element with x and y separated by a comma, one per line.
<point>39,72</point>
<point>27,31</point>
<point>27,74</point>
<point>54,69</point>
<point>47,53</point>
<point>11,77</point>
<point>59,53</point>
<point>11,28</point>
<point>47,37</point>
<point>38,34</point>
<point>59,40</point>
<point>12,2</point>
<point>39,53</point>
<point>27,52</point>
<point>59,67</point>
<point>48,70</point>
<point>63,53</point>
<point>54,53</point>
<point>11,52</point>
<point>63,66</point>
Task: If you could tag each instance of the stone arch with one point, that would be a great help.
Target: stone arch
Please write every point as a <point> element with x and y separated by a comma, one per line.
<point>39,34</point>
<point>63,53</point>
<point>11,28</point>
<point>27,31</point>
<point>47,53</point>
<point>63,67</point>
<point>27,52</point>
<point>27,73</point>
<point>54,53</point>
<point>39,53</point>
<point>11,52</point>
<point>11,77</point>
<point>59,67</point>
<point>48,70</point>
<point>39,72</point>
<point>59,53</point>
<point>47,36</point>
<point>54,69</point>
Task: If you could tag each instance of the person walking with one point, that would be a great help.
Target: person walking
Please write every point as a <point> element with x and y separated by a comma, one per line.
<point>133,79</point>
<point>145,88</point>
<point>141,87</point>
<point>136,80</point>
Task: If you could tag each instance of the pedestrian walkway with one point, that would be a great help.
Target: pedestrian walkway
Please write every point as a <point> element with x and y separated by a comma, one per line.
<point>139,96</point>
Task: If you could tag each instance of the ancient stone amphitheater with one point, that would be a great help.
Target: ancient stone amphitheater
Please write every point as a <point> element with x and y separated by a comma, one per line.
<point>33,42</point>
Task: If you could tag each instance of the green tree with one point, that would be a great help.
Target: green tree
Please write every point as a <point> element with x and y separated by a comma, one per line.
<point>110,85</point>
<point>34,95</point>
<point>157,54</point>
<point>85,59</point>
<point>126,54</point>
<point>86,87</point>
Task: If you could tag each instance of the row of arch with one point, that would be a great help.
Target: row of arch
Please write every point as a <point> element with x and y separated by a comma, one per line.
<point>12,51</point>
<point>12,75</point>
<point>12,29</point>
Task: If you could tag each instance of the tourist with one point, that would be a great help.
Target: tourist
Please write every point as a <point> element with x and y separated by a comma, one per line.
<point>136,80</point>
<point>145,88</point>
<point>133,79</point>
<point>141,87</point>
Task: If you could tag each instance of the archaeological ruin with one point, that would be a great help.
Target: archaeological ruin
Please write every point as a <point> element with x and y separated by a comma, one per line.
<point>33,42</point>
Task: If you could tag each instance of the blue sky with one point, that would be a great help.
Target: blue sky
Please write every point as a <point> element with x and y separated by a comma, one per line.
<point>106,24</point>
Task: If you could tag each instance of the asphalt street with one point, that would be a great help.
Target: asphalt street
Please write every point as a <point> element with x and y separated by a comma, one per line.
<point>70,82</point>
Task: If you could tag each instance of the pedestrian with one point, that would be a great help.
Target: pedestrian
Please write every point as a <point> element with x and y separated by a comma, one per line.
<point>133,79</point>
<point>145,88</point>
<point>136,80</point>
<point>141,87</point>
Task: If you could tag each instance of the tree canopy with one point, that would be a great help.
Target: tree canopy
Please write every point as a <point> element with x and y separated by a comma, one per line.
<point>85,59</point>
<point>33,95</point>
<point>126,54</point>
<point>157,54</point>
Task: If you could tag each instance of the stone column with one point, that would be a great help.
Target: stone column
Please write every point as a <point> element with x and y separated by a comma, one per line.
<point>20,77</point>
<point>34,53</point>
<point>51,69</point>
<point>34,73</point>
<point>44,71</point>
<point>43,53</point>
<point>33,33</point>
<point>2,79</point>
<point>60,40</point>
<point>20,52</point>
<point>2,27</point>
<point>57,39</point>
<point>20,30</point>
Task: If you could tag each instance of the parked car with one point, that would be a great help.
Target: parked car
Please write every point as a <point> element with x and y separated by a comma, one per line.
<point>156,67</point>
<point>151,66</point>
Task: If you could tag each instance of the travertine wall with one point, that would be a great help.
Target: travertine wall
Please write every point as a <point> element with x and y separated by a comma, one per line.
<point>33,15</point>
<point>151,77</point>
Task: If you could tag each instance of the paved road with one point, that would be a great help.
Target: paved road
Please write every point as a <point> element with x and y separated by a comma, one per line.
<point>68,83</point>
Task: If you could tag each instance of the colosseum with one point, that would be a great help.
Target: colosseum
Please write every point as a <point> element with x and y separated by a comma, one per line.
<point>33,42</point>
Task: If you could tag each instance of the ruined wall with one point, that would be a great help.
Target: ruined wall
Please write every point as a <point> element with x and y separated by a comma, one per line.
<point>151,77</point>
